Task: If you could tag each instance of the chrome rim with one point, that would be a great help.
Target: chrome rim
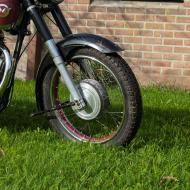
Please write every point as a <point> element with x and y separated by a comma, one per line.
<point>104,126</point>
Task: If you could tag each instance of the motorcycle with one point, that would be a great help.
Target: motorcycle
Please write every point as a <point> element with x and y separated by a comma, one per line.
<point>84,87</point>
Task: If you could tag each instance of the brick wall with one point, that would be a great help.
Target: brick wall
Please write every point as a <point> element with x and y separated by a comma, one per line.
<point>21,71</point>
<point>155,36</point>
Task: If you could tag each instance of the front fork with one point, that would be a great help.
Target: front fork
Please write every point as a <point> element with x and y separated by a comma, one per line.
<point>54,51</point>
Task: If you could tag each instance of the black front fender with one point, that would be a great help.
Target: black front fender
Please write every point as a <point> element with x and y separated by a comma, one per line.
<point>90,40</point>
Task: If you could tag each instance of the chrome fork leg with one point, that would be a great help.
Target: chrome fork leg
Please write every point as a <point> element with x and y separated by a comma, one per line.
<point>60,64</point>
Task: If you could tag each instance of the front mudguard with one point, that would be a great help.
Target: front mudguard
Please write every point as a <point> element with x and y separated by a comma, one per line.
<point>90,40</point>
<point>67,46</point>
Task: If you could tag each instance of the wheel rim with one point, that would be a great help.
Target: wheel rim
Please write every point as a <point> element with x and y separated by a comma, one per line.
<point>109,122</point>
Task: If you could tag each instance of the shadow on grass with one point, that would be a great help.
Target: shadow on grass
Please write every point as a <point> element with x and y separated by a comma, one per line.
<point>16,118</point>
<point>164,127</point>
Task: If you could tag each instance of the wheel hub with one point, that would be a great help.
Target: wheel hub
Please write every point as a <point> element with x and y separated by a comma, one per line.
<point>95,97</point>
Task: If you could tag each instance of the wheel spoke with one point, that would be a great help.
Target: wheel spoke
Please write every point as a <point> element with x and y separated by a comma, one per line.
<point>101,123</point>
<point>108,122</point>
<point>115,112</point>
<point>86,64</point>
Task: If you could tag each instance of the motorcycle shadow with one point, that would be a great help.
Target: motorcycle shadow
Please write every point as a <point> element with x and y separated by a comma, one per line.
<point>16,118</point>
<point>163,127</point>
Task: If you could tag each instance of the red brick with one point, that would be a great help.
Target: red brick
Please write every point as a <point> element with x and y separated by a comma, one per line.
<point>133,40</point>
<point>115,10</point>
<point>148,18</point>
<point>143,62</point>
<point>105,31</point>
<point>123,32</point>
<point>188,11</point>
<point>188,27</point>
<point>126,46</point>
<point>152,41</point>
<point>115,24</point>
<point>77,22</point>
<point>186,4</point>
<point>117,39</point>
<point>161,63</point>
<point>151,70</point>
<point>181,65</point>
<point>157,26</point>
<point>182,49</point>
<point>175,12</point>
<point>186,57</point>
<point>135,10</point>
<point>64,7</point>
<point>186,42</point>
<point>138,25</point>
<point>164,18</point>
<point>153,56</point>
<point>77,8</point>
<point>139,47</point>
<point>147,33</point>
<point>155,11</point>
<point>173,42</point>
<point>175,57</point>
<point>71,1</point>
<point>186,72</point>
<point>86,30</point>
<point>71,15</point>
<point>164,34</point>
<point>105,16</point>
<point>97,9</point>
<point>125,17</point>
<point>83,1</point>
<point>182,35</point>
<point>96,23</point>
<point>171,71</point>
<point>175,27</point>
<point>86,15</point>
<point>183,19</point>
<point>133,54</point>
<point>162,49</point>
<point>185,83</point>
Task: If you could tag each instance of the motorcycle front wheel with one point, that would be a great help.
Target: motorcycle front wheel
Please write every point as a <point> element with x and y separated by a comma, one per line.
<point>110,90</point>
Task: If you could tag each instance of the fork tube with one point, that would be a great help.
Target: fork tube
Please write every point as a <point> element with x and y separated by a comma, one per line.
<point>54,51</point>
<point>61,21</point>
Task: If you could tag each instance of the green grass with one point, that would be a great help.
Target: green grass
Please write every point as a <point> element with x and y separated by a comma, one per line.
<point>32,157</point>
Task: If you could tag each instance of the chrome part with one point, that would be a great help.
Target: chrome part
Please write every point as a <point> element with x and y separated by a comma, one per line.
<point>31,7</point>
<point>52,48</point>
<point>93,94</point>
<point>59,62</point>
<point>6,60</point>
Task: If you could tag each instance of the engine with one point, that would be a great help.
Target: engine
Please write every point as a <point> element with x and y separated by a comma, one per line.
<point>10,12</point>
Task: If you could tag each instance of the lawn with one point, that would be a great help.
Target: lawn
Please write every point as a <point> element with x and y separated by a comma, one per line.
<point>32,157</point>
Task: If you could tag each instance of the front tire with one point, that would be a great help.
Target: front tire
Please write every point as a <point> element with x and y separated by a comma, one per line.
<point>119,117</point>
